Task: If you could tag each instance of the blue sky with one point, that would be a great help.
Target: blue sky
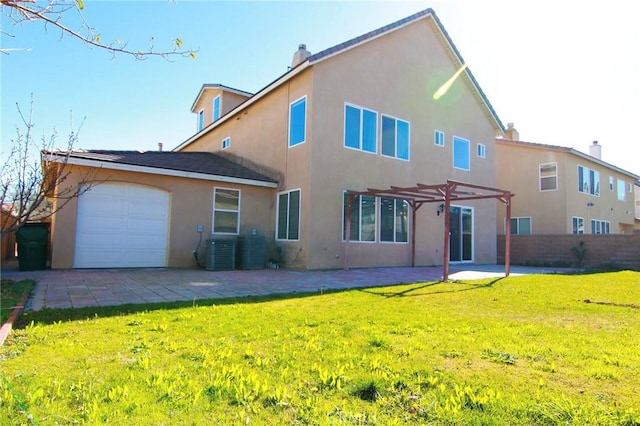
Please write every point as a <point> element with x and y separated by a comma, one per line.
<point>565,72</point>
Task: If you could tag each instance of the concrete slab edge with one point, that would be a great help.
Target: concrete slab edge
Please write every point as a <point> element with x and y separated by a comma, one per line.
<point>6,328</point>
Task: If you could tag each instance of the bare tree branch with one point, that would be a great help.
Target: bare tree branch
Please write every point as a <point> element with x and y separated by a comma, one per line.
<point>52,13</point>
<point>33,177</point>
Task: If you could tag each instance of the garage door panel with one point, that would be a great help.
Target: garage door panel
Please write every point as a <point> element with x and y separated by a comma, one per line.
<point>122,225</point>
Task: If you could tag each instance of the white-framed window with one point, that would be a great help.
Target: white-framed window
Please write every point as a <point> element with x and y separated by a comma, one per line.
<point>438,138</point>
<point>577,225</point>
<point>600,226</point>
<point>622,196</point>
<point>226,211</point>
<point>226,142</point>
<point>216,108</point>
<point>395,138</point>
<point>548,176</point>
<point>461,156</point>
<point>360,128</point>
<point>629,188</point>
<point>588,181</point>
<point>298,121</point>
<point>394,220</point>
<point>288,220</point>
<point>363,218</point>
<point>481,150</point>
<point>521,225</point>
<point>611,183</point>
<point>200,119</point>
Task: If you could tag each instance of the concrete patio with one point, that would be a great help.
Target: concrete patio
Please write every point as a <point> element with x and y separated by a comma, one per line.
<point>103,287</point>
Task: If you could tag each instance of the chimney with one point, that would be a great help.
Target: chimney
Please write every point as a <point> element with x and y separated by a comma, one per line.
<point>511,133</point>
<point>595,150</point>
<point>300,56</point>
<point>160,146</point>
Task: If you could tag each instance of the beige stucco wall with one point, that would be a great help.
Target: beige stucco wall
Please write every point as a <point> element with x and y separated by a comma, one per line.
<point>395,75</point>
<point>191,203</point>
<point>552,211</point>
<point>228,101</point>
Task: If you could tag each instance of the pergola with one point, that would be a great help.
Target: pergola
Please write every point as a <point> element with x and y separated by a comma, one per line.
<point>445,193</point>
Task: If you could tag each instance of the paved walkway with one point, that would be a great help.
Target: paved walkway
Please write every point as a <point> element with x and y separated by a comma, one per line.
<point>103,287</point>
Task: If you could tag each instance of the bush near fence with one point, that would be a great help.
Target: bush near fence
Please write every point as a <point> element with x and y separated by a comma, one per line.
<point>609,250</point>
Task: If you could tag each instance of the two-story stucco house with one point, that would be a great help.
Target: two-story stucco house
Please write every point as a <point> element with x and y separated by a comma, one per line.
<point>563,191</point>
<point>279,163</point>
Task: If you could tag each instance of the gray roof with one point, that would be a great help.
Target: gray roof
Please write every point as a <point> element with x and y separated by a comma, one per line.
<point>195,162</point>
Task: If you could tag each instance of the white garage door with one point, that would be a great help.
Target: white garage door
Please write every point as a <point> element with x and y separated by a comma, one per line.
<point>122,225</point>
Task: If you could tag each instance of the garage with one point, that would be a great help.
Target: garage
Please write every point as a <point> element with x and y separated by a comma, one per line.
<point>122,225</point>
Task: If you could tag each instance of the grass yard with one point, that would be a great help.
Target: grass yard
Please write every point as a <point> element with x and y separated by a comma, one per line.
<point>10,295</point>
<point>532,350</point>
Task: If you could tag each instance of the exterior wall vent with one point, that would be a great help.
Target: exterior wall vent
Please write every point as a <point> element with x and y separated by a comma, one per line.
<point>221,255</point>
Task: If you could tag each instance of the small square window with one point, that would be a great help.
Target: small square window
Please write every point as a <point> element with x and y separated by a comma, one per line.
<point>226,143</point>
<point>438,138</point>
<point>481,150</point>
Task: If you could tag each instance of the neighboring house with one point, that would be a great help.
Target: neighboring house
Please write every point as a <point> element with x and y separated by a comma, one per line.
<point>358,115</point>
<point>563,191</point>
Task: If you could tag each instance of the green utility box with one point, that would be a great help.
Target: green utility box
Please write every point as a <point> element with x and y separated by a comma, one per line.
<point>33,239</point>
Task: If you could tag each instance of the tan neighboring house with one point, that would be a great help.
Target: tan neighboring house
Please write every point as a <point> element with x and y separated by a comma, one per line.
<point>358,115</point>
<point>561,190</point>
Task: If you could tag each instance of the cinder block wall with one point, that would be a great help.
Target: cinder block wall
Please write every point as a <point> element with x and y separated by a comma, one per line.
<point>619,249</point>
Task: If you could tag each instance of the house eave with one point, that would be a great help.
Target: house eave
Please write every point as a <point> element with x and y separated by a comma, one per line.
<point>57,158</point>
<point>246,104</point>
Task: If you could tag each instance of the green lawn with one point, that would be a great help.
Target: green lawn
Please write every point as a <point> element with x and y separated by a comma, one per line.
<point>10,295</point>
<point>534,350</point>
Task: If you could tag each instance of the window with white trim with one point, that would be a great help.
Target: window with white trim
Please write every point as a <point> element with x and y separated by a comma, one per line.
<point>577,225</point>
<point>548,176</point>
<point>600,226</point>
<point>461,156</point>
<point>297,121</point>
<point>288,221</point>
<point>588,181</point>
<point>629,188</point>
<point>621,193</point>
<point>216,108</point>
<point>200,119</point>
<point>438,138</point>
<point>395,138</point>
<point>481,150</point>
<point>521,225</point>
<point>611,183</point>
<point>360,128</point>
<point>226,211</point>
<point>394,220</point>
<point>226,142</point>
<point>363,218</point>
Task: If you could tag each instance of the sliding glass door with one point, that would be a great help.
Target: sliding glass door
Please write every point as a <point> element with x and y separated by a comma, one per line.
<point>461,234</point>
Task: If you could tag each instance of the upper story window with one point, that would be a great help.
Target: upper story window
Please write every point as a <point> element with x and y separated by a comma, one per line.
<point>226,143</point>
<point>588,181</point>
<point>216,108</point>
<point>201,120</point>
<point>577,224</point>
<point>360,128</point>
<point>461,155</point>
<point>548,176</point>
<point>481,150</point>
<point>521,225</point>
<point>438,138</point>
<point>288,222</point>
<point>297,121</point>
<point>621,193</point>
<point>610,183</point>
<point>395,138</point>
<point>226,211</point>
<point>394,220</point>
<point>363,218</point>
<point>630,188</point>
